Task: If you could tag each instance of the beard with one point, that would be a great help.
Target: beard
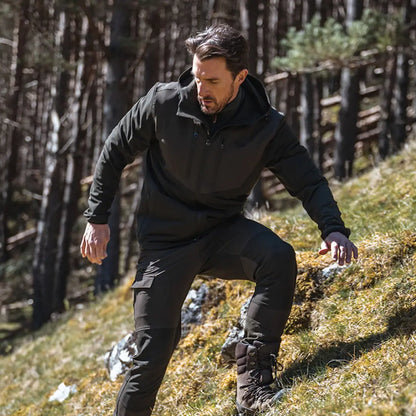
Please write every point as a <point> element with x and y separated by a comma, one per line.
<point>210,105</point>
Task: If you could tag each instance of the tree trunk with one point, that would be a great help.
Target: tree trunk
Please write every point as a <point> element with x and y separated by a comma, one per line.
<point>346,130</point>
<point>152,57</point>
<point>74,164</point>
<point>266,41</point>
<point>318,150</point>
<point>401,101</point>
<point>307,118</point>
<point>293,83</point>
<point>282,26</point>
<point>8,175</point>
<point>307,100</point>
<point>386,119</point>
<point>225,11</point>
<point>48,297</point>
<point>114,108</point>
<point>402,87</point>
<point>253,15</point>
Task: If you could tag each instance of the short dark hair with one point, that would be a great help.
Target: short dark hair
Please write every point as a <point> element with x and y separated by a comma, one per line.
<point>220,41</point>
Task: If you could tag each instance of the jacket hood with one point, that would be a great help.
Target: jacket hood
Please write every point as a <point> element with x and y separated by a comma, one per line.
<point>256,103</point>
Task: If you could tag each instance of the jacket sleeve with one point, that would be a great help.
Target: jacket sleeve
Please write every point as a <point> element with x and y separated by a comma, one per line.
<point>131,136</point>
<point>291,164</point>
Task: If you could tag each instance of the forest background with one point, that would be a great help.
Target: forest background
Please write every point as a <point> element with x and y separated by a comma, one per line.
<point>342,71</point>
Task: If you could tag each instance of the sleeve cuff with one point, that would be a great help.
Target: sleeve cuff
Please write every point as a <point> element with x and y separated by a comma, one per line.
<point>342,230</point>
<point>95,219</point>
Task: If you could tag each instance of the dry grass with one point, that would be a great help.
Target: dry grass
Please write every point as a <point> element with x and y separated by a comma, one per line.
<point>349,348</point>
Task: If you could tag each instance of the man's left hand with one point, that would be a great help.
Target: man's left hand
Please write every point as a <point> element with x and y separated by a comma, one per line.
<point>341,248</point>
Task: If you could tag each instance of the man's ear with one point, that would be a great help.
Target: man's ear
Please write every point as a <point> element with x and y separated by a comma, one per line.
<point>241,76</point>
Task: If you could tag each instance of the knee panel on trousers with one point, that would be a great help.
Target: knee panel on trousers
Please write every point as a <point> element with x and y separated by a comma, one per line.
<point>278,259</point>
<point>275,274</point>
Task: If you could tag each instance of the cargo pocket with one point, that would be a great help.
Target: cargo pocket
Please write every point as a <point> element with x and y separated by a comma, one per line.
<point>144,276</point>
<point>144,283</point>
<point>142,300</point>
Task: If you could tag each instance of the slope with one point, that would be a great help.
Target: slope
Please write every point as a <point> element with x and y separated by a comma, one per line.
<point>349,348</point>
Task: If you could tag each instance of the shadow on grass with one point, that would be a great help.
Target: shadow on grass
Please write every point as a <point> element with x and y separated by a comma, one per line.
<point>341,353</point>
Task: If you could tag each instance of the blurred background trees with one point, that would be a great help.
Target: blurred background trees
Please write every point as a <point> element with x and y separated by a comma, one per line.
<point>341,70</point>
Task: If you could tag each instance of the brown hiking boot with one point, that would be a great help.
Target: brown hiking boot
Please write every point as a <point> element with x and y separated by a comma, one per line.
<point>256,372</point>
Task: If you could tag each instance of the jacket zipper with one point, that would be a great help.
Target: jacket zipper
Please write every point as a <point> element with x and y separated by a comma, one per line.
<point>191,153</point>
<point>218,161</point>
<point>207,143</point>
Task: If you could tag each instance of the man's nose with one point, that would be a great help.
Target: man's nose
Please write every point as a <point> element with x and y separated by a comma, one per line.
<point>202,89</point>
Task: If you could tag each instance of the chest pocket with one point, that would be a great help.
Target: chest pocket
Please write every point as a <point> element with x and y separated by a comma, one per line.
<point>239,163</point>
<point>174,145</point>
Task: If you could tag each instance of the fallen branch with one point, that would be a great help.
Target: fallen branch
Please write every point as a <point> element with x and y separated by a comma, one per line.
<point>20,238</point>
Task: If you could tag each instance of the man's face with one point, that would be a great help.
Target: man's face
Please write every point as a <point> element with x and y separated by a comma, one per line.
<point>216,85</point>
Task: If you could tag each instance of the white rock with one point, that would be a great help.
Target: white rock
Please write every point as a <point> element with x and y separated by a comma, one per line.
<point>332,270</point>
<point>63,392</point>
<point>116,370</point>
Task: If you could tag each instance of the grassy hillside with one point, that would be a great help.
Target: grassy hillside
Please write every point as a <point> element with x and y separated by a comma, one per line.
<point>349,349</point>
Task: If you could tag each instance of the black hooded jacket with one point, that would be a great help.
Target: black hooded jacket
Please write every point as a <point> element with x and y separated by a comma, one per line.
<point>198,174</point>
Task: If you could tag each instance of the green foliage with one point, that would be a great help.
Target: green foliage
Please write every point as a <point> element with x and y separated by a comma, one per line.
<point>332,45</point>
<point>307,48</point>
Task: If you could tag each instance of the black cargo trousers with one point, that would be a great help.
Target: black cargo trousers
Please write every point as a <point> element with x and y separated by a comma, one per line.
<point>239,249</point>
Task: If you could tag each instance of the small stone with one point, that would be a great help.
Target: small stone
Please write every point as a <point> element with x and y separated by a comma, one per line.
<point>63,392</point>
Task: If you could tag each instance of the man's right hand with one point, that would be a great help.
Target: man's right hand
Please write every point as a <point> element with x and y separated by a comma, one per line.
<point>94,242</point>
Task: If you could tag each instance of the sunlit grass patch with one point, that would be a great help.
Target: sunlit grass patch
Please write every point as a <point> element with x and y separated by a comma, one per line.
<point>379,382</point>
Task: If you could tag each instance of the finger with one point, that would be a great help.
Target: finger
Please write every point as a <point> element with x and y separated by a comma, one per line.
<point>94,261</point>
<point>91,253</point>
<point>352,252</point>
<point>355,251</point>
<point>99,251</point>
<point>324,248</point>
<point>82,247</point>
<point>334,250</point>
<point>341,255</point>
<point>348,255</point>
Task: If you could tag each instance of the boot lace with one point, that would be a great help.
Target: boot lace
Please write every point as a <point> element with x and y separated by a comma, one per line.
<point>257,393</point>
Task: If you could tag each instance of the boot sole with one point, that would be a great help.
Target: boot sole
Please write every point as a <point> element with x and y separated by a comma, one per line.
<point>243,411</point>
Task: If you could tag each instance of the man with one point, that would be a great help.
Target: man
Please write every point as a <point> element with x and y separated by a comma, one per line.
<point>206,138</point>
